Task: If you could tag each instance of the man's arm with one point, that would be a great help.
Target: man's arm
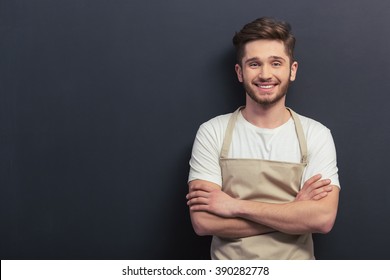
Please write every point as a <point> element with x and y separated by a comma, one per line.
<point>297,217</point>
<point>206,222</point>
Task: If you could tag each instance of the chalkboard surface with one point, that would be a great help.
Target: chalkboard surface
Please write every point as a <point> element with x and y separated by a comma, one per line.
<point>100,102</point>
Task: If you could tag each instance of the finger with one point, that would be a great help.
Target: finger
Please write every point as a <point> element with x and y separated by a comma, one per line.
<point>197,200</point>
<point>321,184</point>
<point>320,196</point>
<point>318,191</point>
<point>194,194</point>
<point>199,207</point>
<point>328,188</point>
<point>312,180</point>
<point>317,185</point>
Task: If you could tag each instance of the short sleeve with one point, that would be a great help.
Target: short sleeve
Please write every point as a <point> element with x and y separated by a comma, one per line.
<point>322,157</point>
<point>204,162</point>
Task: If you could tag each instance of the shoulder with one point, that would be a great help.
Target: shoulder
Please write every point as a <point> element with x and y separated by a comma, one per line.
<point>322,156</point>
<point>211,133</point>
<point>312,127</point>
<point>215,126</point>
<point>318,136</point>
<point>204,162</point>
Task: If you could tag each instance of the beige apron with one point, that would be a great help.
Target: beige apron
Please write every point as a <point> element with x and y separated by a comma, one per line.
<point>265,181</point>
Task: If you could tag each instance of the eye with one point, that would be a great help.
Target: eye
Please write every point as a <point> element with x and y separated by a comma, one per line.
<point>276,64</point>
<point>254,65</point>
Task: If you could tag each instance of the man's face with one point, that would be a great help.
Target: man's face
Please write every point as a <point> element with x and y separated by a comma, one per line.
<point>266,71</point>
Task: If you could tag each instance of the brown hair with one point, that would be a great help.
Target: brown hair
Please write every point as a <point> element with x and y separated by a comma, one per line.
<point>264,28</point>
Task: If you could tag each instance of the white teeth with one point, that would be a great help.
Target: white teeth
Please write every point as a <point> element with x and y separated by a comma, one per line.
<point>270,86</point>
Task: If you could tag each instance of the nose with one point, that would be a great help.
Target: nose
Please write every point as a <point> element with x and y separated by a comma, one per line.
<point>265,72</point>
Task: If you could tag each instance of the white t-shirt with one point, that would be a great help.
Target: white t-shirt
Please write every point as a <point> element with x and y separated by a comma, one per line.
<point>249,141</point>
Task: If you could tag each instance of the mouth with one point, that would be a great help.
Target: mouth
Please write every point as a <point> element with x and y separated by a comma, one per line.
<point>265,86</point>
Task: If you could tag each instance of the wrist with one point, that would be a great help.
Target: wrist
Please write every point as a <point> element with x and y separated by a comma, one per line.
<point>238,210</point>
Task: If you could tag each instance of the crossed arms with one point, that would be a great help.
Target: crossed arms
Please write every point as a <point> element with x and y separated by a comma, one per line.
<point>213,212</point>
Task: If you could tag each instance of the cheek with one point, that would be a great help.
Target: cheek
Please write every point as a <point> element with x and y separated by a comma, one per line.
<point>286,75</point>
<point>248,76</point>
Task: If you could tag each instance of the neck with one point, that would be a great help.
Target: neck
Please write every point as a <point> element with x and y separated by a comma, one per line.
<point>266,116</point>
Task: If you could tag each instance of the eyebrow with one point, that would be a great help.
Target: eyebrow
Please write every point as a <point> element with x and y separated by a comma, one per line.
<point>255,58</point>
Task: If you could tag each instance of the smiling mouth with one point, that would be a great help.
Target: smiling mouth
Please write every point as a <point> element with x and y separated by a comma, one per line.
<point>265,86</point>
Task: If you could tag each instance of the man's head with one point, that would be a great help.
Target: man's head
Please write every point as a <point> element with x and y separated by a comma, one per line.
<point>264,28</point>
<point>265,62</point>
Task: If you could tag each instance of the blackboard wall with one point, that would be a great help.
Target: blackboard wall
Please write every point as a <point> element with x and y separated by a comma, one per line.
<point>100,101</point>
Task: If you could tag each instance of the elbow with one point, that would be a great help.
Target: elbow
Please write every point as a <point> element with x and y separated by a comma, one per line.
<point>200,224</point>
<point>200,230</point>
<point>325,224</point>
<point>325,228</point>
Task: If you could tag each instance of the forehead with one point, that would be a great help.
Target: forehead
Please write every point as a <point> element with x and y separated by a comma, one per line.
<point>264,49</point>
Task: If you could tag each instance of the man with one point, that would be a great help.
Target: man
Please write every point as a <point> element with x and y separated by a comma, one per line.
<point>263,178</point>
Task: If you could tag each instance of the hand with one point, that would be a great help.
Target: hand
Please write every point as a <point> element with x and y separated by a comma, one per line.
<point>207,198</point>
<point>314,189</point>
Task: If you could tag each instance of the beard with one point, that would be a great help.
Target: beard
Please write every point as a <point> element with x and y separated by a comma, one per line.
<point>266,101</point>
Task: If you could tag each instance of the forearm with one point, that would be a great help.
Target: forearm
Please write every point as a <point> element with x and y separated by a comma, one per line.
<point>205,223</point>
<point>296,217</point>
<point>208,223</point>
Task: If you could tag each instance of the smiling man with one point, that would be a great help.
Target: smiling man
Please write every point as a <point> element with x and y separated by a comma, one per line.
<point>263,179</point>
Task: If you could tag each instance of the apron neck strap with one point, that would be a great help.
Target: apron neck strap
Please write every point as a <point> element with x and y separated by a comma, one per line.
<point>300,135</point>
<point>229,133</point>
<point>232,122</point>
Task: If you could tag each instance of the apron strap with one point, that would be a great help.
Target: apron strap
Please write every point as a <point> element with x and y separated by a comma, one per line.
<point>300,135</point>
<point>229,133</point>
<point>232,122</point>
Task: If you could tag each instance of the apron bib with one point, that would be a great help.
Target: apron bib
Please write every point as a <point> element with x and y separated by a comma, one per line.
<point>263,181</point>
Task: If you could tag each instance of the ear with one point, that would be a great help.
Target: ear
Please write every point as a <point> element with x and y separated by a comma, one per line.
<point>238,69</point>
<point>293,72</point>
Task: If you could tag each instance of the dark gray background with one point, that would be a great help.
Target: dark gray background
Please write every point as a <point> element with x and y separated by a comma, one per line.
<point>100,101</point>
